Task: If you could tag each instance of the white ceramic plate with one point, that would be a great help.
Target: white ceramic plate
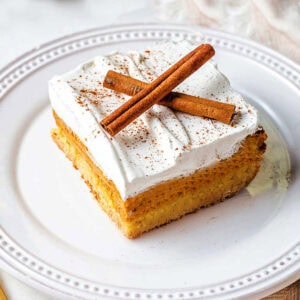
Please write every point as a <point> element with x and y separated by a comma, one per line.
<point>55,237</point>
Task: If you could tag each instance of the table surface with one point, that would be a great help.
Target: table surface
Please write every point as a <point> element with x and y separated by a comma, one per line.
<point>25,24</point>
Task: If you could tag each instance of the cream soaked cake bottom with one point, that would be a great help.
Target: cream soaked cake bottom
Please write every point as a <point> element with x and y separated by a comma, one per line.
<point>168,200</point>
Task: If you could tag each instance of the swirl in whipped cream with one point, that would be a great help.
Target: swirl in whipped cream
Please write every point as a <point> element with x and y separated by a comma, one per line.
<point>161,144</point>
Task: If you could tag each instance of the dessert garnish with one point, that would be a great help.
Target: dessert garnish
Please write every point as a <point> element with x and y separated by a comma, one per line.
<point>196,106</point>
<point>157,89</point>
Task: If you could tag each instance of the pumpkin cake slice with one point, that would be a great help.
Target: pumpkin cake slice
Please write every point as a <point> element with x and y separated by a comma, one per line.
<point>166,163</point>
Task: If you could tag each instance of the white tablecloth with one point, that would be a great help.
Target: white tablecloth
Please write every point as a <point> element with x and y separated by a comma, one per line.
<point>25,24</point>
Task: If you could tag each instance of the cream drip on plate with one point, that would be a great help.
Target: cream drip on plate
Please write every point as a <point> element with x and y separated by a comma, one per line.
<point>161,144</point>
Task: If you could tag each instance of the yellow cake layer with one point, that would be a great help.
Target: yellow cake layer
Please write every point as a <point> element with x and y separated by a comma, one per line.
<point>168,200</point>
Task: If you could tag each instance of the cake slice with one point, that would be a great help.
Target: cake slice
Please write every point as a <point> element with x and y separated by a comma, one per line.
<point>166,163</point>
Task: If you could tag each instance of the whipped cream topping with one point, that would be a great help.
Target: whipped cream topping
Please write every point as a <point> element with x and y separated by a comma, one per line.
<point>161,144</point>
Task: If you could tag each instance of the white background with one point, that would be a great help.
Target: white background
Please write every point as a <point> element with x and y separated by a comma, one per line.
<point>25,24</point>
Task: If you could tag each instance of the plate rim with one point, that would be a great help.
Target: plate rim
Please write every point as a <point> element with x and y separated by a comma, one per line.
<point>263,55</point>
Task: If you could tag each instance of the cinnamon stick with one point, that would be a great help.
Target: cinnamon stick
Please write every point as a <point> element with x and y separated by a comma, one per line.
<point>157,89</point>
<point>197,106</point>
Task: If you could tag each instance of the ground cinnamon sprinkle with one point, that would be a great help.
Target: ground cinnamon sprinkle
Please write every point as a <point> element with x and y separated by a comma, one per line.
<point>157,89</point>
